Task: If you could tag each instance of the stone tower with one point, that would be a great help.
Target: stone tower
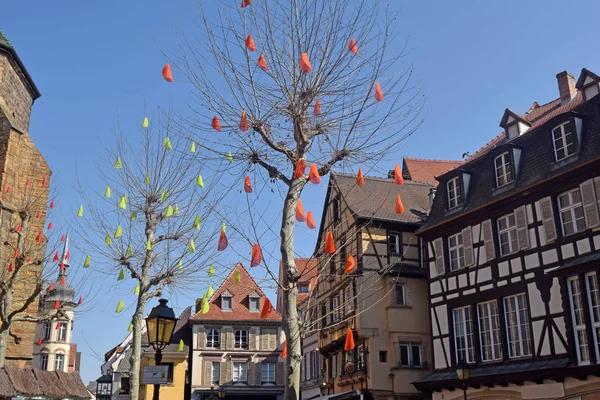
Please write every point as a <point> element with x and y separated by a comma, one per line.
<point>20,160</point>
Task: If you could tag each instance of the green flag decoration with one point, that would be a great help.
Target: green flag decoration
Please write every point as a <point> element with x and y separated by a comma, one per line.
<point>80,211</point>
<point>199,181</point>
<point>197,223</point>
<point>133,216</point>
<point>229,157</point>
<point>118,163</point>
<point>192,245</point>
<point>129,251</point>
<point>211,271</point>
<point>120,306</point>
<point>180,347</point>
<point>163,195</point>
<point>168,144</point>
<point>169,211</point>
<point>238,276</point>
<point>107,240</point>
<point>87,262</point>
<point>147,179</point>
<point>148,245</point>
<point>180,264</point>
<point>176,209</point>
<point>123,202</point>
<point>107,192</point>
<point>210,291</point>
<point>118,232</point>
<point>205,307</point>
<point>224,227</point>
<point>193,147</point>
<point>130,328</point>
<point>121,275</point>
<point>136,290</point>
<point>145,122</point>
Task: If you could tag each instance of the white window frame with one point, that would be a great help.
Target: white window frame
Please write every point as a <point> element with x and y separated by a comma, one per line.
<point>267,373</point>
<point>44,361</point>
<point>59,362</point>
<point>411,361</point>
<point>465,322</point>
<point>215,373</point>
<point>397,301</point>
<point>522,326</point>
<point>61,334</point>
<point>230,305</point>
<point>302,288</point>
<point>511,233</point>
<point>579,327</point>
<point>239,343</point>
<point>504,170</point>
<point>240,373</point>
<point>489,330</point>
<point>46,330</point>
<point>397,244</point>
<point>335,309</point>
<point>593,297</point>
<point>454,195</point>
<point>459,249</point>
<point>563,141</point>
<point>257,303</point>
<point>211,343</point>
<point>571,210</point>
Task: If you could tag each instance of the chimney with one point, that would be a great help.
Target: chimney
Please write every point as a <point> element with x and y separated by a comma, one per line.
<point>198,305</point>
<point>391,174</point>
<point>431,196</point>
<point>566,86</point>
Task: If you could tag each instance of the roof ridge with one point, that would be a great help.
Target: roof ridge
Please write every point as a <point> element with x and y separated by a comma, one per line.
<point>230,275</point>
<point>432,160</point>
<point>382,179</point>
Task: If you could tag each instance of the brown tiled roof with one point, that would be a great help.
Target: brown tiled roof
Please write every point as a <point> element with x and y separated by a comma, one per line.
<point>34,382</point>
<point>240,306</point>
<point>422,170</point>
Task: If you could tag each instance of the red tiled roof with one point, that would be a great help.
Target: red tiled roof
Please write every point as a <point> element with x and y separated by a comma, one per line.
<point>240,301</point>
<point>422,170</point>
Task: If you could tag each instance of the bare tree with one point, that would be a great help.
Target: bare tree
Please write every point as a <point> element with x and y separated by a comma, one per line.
<point>152,218</point>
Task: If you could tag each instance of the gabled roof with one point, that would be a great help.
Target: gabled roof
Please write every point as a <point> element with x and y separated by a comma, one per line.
<point>422,170</point>
<point>240,291</point>
<point>584,74</point>
<point>24,382</point>
<point>7,46</point>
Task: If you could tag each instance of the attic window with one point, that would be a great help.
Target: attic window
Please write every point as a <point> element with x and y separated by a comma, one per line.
<point>454,195</point>
<point>503,168</point>
<point>226,302</point>
<point>565,144</point>
<point>254,302</point>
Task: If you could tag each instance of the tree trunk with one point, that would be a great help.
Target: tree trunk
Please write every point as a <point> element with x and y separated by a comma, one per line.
<point>291,325</point>
<point>136,354</point>
<point>5,325</point>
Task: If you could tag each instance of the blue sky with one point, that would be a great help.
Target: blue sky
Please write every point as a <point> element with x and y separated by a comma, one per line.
<point>98,63</point>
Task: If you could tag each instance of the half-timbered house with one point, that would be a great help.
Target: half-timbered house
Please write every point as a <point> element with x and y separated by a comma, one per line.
<point>512,246</point>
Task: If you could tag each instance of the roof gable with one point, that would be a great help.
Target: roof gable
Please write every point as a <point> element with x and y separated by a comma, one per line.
<point>586,77</point>
<point>422,170</point>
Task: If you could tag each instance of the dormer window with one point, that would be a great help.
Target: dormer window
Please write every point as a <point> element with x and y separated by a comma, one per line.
<point>226,302</point>
<point>454,195</point>
<point>503,167</point>
<point>565,143</point>
<point>254,302</point>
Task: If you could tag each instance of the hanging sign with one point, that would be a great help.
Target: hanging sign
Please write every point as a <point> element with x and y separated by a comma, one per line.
<point>156,374</point>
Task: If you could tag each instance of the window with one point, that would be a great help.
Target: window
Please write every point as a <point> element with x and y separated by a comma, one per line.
<point>125,385</point>
<point>59,362</point>
<point>571,212</point>
<point>332,267</point>
<point>226,303</point>
<point>410,355</point>
<point>564,141</point>
<point>241,339</point>
<point>215,372</point>
<point>383,356</point>
<point>399,295</point>
<point>457,254</point>
<point>212,339</point>
<point>578,316</point>
<point>348,299</point>
<point>46,330</point>
<point>254,304</point>
<point>454,197</point>
<point>323,320</point>
<point>517,326</point>
<point>507,234</point>
<point>44,362</point>
<point>240,372</point>
<point>395,243</point>
<point>463,335</point>
<point>489,331</point>
<point>302,288</point>
<point>343,253</point>
<point>593,296</point>
<point>335,309</point>
<point>267,373</point>
<point>337,210</point>
<point>62,331</point>
<point>503,170</point>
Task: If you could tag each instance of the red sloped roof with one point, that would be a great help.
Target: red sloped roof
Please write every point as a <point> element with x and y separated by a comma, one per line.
<point>240,301</point>
<point>422,170</point>
<point>307,267</point>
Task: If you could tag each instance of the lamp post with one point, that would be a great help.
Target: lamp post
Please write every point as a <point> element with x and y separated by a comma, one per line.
<point>463,371</point>
<point>160,325</point>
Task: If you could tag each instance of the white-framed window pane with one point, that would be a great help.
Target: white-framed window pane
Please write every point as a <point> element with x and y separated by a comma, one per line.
<point>348,299</point>
<point>267,373</point>
<point>215,372</point>
<point>578,317</point>
<point>564,141</point>
<point>457,254</point>
<point>241,339</point>
<point>47,330</point>
<point>395,243</point>
<point>454,197</point>
<point>489,331</point>
<point>400,295</point>
<point>213,338</point>
<point>517,326</point>
<point>59,362</point>
<point>410,355</point>
<point>240,372</point>
<point>335,309</point>
<point>507,234</point>
<point>503,170</point>
<point>62,331</point>
<point>571,212</point>
<point>44,362</point>
<point>463,335</point>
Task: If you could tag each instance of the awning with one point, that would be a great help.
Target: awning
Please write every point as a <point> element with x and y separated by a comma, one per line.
<point>351,394</point>
<point>575,262</point>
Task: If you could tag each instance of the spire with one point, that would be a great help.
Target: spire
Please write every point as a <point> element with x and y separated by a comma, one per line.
<point>4,40</point>
<point>66,261</point>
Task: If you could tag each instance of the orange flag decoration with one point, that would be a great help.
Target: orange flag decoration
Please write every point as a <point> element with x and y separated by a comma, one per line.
<point>310,221</point>
<point>223,243</point>
<point>266,309</point>
<point>300,217</point>
<point>399,205</point>
<point>360,179</point>
<point>352,46</point>
<point>398,180</point>
<point>166,73</point>
<point>284,351</point>
<point>39,341</point>
<point>300,168</point>
<point>245,3</point>
<point>56,304</point>
<point>262,63</point>
<point>317,108</point>
<point>250,43</point>
<point>256,256</point>
<point>329,244</point>
<point>349,345</point>
<point>314,174</point>
<point>243,122</point>
<point>378,92</point>
<point>305,63</point>
<point>216,124</point>
<point>350,264</point>
<point>247,185</point>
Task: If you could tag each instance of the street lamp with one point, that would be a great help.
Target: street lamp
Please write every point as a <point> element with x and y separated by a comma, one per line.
<point>463,371</point>
<point>160,325</point>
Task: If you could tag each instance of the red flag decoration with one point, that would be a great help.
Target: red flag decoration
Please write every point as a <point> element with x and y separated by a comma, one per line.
<point>11,268</point>
<point>55,259</point>
<point>399,205</point>
<point>329,244</point>
<point>62,238</point>
<point>16,252</point>
<point>300,168</point>
<point>50,225</point>
<point>57,325</point>
<point>68,255</point>
<point>223,243</point>
<point>244,122</point>
<point>62,280</point>
<point>350,264</point>
<point>39,215</point>
<point>378,92</point>
<point>52,204</point>
<point>51,287</point>
<point>80,302</point>
<point>39,342</point>
<point>38,238</point>
<point>166,73</point>
<point>314,174</point>
<point>398,175</point>
<point>300,217</point>
<point>62,266</point>
<point>56,304</point>
<point>284,351</point>
<point>317,108</point>
<point>352,46</point>
<point>28,182</point>
<point>216,124</point>
<point>266,309</point>
<point>305,63</point>
<point>256,256</point>
<point>247,184</point>
<point>349,345</point>
<point>250,43</point>
<point>262,63</point>
<point>19,228</point>
<point>245,3</point>
<point>44,181</point>
<point>29,259</point>
<point>8,189</point>
<point>310,221</point>
<point>360,179</point>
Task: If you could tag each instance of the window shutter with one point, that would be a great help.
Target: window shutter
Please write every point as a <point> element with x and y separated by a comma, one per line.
<point>597,187</point>
<point>522,229</point>
<point>279,374</point>
<point>252,339</point>
<point>223,338</point>
<point>228,333</point>
<point>548,218</point>
<point>272,340</point>
<point>590,206</point>
<point>201,338</point>
<point>223,373</point>
<point>229,371</point>
<point>258,374</point>
<point>207,373</point>
<point>488,239</point>
<point>468,246</point>
<point>251,374</point>
<point>438,247</point>
<point>264,339</point>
